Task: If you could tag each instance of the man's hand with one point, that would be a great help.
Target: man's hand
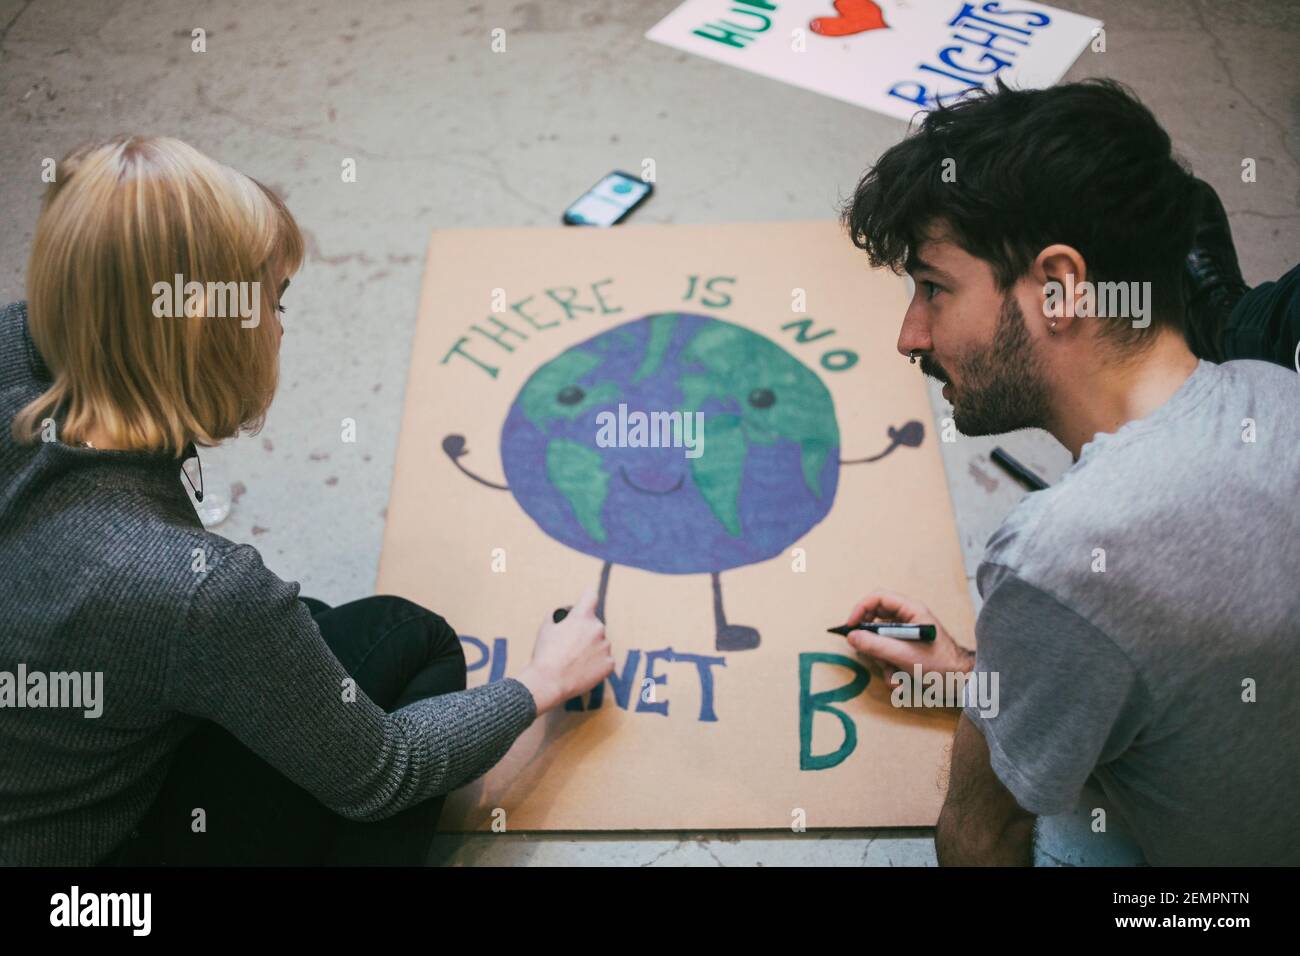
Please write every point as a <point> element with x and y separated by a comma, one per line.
<point>890,654</point>
<point>981,823</point>
<point>569,658</point>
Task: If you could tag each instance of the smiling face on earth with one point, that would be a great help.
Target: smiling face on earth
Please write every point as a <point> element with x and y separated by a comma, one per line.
<point>770,452</point>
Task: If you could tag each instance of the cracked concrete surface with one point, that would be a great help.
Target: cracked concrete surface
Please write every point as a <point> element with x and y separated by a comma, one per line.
<point>446,133</point>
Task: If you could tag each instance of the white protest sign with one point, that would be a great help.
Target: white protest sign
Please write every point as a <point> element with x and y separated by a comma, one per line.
<point>893,56</point>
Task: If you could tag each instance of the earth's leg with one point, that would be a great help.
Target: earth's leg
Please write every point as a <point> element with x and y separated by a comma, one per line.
<point>730,637</point>
<point>600,596</point>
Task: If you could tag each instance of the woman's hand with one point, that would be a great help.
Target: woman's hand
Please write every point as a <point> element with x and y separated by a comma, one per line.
<point>569,658</point>
<point>890,654</point>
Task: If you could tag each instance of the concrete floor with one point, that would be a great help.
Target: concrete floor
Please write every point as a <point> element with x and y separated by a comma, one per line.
<point>445,133</point>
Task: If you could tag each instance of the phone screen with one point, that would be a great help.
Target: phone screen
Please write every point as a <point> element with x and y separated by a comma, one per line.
<point>608,201</point>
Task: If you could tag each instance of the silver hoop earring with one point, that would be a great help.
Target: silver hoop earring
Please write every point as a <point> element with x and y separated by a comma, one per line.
<point>911,356</point>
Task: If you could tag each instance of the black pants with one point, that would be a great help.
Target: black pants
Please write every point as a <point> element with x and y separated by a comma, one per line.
<point>398,652</point>
<point>1265,324</point>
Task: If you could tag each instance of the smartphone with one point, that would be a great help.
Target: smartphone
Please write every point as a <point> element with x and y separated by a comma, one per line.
<point>608,202</point>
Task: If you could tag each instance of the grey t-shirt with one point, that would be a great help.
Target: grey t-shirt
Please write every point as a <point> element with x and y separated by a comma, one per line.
<point>1143,618</point>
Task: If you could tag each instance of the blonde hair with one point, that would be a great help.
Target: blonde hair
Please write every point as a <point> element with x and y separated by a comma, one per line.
<point>121,217</point>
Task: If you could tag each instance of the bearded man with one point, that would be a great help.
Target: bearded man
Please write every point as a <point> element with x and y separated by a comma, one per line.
<point>1141,614</point>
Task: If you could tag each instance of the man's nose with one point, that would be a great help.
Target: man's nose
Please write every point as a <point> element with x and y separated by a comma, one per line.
<point>915,333</point>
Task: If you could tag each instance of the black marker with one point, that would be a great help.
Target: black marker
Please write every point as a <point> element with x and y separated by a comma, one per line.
<point>1017,470</point>
<point>904,632</point>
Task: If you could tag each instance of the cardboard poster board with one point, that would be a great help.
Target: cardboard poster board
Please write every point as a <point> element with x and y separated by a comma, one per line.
<point>730,706</point>
<point>893,56</point>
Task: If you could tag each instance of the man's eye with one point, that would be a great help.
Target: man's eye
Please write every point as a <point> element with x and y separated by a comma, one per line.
<point>930,288</point>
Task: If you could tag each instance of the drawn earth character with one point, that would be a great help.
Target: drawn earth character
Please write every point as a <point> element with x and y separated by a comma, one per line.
<point>764,473</point>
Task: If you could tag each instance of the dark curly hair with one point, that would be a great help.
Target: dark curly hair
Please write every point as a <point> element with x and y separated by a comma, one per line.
<point>1085,164</point>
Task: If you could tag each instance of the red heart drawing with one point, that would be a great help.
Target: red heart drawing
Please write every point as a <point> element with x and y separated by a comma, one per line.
<point>855,16</point>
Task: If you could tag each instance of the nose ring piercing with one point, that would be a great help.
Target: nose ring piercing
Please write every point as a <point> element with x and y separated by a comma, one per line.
<point>911,356</point>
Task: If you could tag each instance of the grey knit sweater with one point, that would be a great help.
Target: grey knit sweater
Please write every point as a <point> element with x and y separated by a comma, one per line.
<point>97,550</point>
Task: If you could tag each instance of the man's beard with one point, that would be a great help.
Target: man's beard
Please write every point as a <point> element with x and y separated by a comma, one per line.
<point>1001,387</point>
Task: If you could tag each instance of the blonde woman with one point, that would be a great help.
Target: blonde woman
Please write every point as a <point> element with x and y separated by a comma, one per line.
<point>214,718</point>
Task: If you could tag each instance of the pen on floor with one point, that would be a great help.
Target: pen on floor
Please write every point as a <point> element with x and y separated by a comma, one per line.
<point>1017,470</point>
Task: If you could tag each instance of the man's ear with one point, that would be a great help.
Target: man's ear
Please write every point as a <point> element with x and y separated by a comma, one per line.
<point>1059,272</point>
